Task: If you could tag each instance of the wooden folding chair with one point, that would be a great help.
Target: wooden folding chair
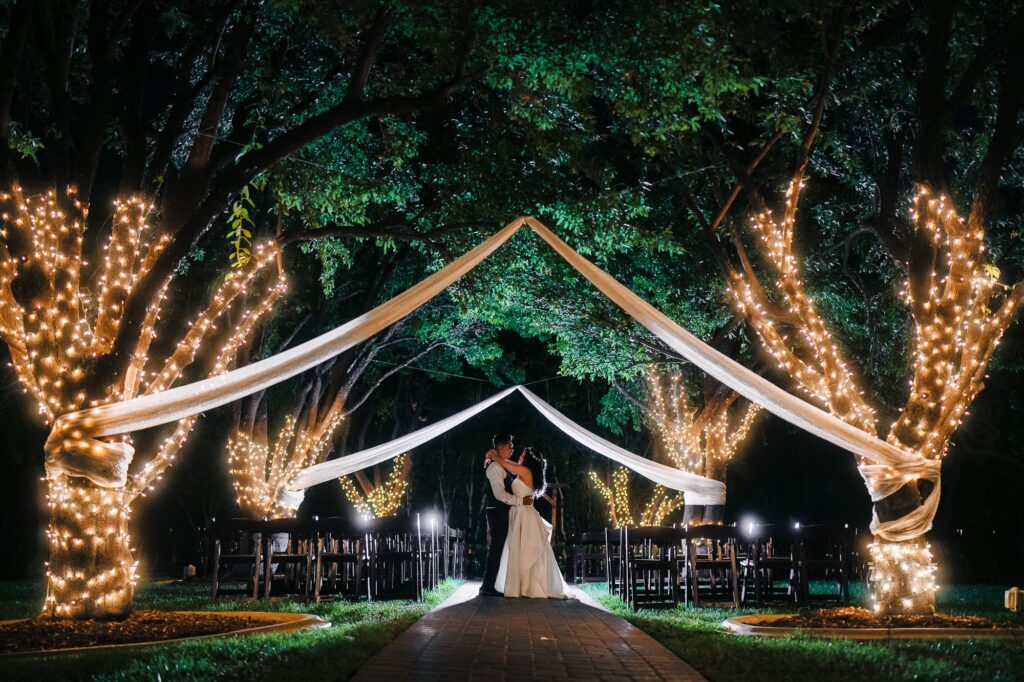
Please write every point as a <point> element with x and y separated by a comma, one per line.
<point>652,569</point>
<point>712,576</point>
<point>237,543</point>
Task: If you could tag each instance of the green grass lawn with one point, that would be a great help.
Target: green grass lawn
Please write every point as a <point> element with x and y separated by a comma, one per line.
<point>697,637</point>
<point>358,631</point>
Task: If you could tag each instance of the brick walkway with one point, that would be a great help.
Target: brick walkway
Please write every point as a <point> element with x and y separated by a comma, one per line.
<point>495,639</point>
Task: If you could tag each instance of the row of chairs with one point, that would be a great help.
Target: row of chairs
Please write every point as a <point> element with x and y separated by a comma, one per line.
<point>717,565</point>
<point>376,559</point>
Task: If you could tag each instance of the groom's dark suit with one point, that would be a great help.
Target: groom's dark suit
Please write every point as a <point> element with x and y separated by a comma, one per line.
<point>497,524</point>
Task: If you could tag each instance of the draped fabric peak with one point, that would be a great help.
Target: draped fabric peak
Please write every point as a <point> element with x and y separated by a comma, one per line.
<point>73,446</point>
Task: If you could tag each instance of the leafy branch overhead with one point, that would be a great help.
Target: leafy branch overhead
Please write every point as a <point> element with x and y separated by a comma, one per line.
<point>240,223</point>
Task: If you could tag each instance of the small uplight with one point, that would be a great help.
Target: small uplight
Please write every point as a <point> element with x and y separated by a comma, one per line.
<point>748,524</point>
<point>796,525</point>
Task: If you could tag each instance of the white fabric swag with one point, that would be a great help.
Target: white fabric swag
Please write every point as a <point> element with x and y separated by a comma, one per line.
<point>73,446</point>
<point>698,489</point>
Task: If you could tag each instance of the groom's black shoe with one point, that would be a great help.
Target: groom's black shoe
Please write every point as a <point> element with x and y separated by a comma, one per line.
<point>490,593</point>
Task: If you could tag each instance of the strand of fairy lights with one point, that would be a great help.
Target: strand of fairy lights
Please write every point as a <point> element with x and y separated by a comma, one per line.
<point>260,472</point>
<point>63,328</point>
<point>959,310</point>
<point>383,500</point>
<point>700,442</point>
<point>816,364</point>
<point>617,498</point>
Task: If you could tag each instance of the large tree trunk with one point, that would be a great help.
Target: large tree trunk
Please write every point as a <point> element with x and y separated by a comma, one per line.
<point>701,514</point>
<point>91,570</point>
<point>901,572</point>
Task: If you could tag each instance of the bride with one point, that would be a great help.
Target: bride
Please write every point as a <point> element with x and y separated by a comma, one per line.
<point>528,567</point>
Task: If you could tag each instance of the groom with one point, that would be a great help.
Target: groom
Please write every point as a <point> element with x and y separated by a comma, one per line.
<point>499,498</point>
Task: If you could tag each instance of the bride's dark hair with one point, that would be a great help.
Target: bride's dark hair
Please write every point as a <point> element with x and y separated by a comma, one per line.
<point>537,466</point>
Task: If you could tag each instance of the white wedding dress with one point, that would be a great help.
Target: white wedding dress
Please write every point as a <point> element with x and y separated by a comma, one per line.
<point>528,566</point>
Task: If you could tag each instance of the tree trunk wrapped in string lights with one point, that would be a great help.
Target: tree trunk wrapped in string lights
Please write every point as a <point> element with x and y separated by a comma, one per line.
<point>379,499</point>
<point>621,509</point>
<point>702,440</point>
<point>90,331</point>
<point>62,329</point>
<point>260,469</point>
<point>959,309</point>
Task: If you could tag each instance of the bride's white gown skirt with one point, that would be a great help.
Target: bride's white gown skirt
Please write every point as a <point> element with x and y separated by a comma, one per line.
<point>528,566</point>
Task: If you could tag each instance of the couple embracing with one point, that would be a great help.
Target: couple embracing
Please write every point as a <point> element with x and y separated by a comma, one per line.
<point>520,561</point>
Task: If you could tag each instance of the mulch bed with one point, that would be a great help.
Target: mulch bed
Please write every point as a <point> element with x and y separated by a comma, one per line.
<point>858,618</point>
<point>37,634</point>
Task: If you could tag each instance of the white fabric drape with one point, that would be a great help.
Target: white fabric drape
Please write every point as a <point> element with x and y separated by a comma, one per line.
<point>73,447</point>
<point>892,466</point>
<point>698,490</point>
<point>349,464</point>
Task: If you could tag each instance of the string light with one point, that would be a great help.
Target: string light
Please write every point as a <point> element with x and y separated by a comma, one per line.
<point>91,570</point>
<point>56,335</point>
<point>383,500</point>
<point>960,311</point>
<point>259,472</point>
<point>811,358</point>
<point>902,576</point>
<point>620,510</point>
<point>700,441</point>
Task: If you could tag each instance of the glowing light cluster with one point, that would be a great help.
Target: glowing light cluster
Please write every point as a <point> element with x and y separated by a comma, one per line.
<point>383,500</point>
<point>902,577</point>
<point>260,472</point>
<point>89,526</point>
<point>620,510</point>
<point>59,317</point>
<point>960,313</point>
<point>698,441</point>
<point>226,356</point>
<point>812,358</point>
<point>63,325</point>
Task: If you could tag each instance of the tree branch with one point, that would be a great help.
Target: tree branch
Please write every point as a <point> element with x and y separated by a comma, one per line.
<point>10,58</point>
<point>1008,34</point>
<point>1005,139</point>
<point>367,55</point>
<point>385,230</point>
<point>394,370</point>
<point>186,92</point>
<point>315,127</point>
<point>198,220</point>
<point>133,133</point>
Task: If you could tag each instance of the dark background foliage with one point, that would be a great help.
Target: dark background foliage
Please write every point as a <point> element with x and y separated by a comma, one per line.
<point>595,117</point>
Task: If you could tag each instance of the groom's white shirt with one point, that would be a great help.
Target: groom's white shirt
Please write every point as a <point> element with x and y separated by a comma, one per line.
<point>496,477</point>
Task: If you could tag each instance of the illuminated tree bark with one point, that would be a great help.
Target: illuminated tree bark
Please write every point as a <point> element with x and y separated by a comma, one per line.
<point>701,440</point>
<point>957,304</point>
<point>260,469</point>
<point>384,498</point>
<point>86,331</point>
<point>56,333</point>
<point>622,511</point>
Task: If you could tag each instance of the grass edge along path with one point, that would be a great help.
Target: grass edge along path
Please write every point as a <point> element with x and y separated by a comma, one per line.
<point>358,630</point>
<point>697,637</point>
